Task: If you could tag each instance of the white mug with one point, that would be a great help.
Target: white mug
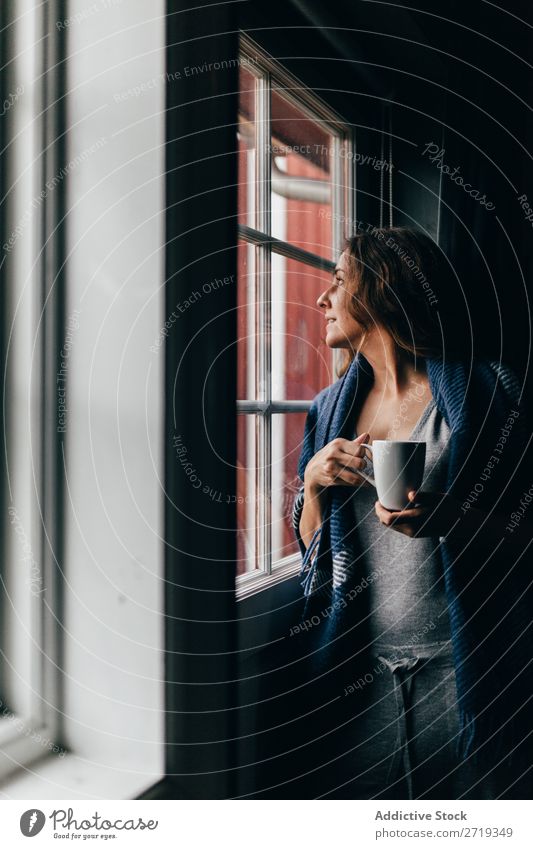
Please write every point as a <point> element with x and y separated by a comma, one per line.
<point>398,468</point>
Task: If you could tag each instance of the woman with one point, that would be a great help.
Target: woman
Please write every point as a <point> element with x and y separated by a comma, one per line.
<point>422,615</point>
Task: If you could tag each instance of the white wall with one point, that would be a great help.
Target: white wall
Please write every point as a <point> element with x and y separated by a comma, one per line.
<point>114,593</point>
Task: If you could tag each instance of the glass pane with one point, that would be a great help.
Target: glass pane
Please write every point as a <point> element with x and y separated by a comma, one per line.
<point>246,322</point>
<point>302,364</point>
<point>246,148</point>
<point>301,179</point>
<point>248,500</point>
<point>287,435</point>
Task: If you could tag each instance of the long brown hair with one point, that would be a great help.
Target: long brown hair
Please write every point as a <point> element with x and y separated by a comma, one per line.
<point>395,276</point>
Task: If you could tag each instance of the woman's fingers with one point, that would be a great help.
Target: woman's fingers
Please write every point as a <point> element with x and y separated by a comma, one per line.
<point>348,476</point>
<point>354,447</point>
<point>357,447</point>
<point>408,517</point>
<point>340,462</point>
<point>394,517</point>
<point>345,476</point>
<point>355,464</point>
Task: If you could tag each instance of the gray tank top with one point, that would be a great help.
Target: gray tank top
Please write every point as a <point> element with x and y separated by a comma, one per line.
<point>407,599</point>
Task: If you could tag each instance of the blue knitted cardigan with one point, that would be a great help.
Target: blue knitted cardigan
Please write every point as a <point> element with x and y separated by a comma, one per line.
<point>489,594</point>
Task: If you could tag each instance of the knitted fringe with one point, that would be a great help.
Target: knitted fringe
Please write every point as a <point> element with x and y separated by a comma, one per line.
<point>309,563</point>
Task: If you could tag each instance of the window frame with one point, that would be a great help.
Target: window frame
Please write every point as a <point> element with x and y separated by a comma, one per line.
<point>22,738</point>
<point>273,77</point>
<point>33,754</point>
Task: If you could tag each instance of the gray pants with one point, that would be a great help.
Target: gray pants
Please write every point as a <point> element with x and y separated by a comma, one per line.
<point>397,730</point>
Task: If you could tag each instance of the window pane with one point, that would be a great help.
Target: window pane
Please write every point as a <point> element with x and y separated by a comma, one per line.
<point>301,179</point>
<point>246,322</point>
<point>301,361</point>
<point>248,490</point>
<point>246,147</point>
<point>287,434</point>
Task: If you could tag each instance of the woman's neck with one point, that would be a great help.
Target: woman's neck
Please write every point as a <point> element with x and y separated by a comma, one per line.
<point>393,369</point>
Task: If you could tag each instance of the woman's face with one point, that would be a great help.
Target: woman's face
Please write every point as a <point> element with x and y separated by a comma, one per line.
<point>342,330</point>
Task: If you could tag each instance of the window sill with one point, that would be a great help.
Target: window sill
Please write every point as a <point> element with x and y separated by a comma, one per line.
<point>248,585</point>
<point>72,777</point>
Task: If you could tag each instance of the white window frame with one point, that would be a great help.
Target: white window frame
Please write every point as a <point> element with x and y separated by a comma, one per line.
<point>271,76</point>
<point>27,739</point>
<point>31,757</point>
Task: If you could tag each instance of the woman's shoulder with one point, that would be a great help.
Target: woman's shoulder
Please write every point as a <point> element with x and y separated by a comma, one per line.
<point>504,373</point>
<point>485,382</point>
<point>480,370</point>
<point>498,377</point>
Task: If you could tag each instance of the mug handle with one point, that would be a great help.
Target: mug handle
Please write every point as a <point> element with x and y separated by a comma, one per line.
<point>363,475</point>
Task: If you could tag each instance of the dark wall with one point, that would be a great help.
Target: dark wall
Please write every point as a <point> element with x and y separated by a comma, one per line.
<point>489,135</point>
<point>200,415</point>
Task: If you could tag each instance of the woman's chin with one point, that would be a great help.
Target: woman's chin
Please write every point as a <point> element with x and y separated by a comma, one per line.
<point>334,340</point>
<point>333,337</point>
<point>343,345</point>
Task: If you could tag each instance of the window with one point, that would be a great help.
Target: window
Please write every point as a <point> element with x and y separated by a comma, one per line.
<point>293,195</point>
<point>81,661</point>
<point>27,728</point>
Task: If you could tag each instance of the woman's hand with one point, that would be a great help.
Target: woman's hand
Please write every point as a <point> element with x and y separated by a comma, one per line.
<point>435,516</point>
<point>336,464</point>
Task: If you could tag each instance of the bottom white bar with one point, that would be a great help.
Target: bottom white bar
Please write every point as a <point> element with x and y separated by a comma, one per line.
<point>268,824</point>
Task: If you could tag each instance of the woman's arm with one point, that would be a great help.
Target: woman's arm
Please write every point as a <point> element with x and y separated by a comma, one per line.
<point>311,518</point>
<point>334,465</point>
<point>441,515</point>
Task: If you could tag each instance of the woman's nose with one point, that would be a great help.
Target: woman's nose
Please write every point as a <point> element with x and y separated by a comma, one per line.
<point>323,300</point>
